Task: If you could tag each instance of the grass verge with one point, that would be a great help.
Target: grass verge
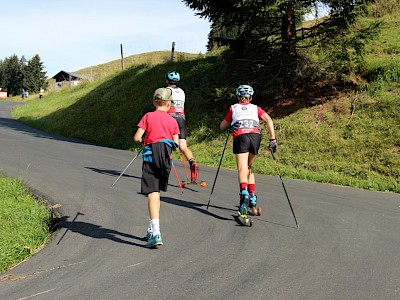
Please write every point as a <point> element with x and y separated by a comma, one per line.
<point>23,223</point>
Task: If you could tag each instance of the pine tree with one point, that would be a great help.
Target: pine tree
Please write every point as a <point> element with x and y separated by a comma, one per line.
<point>36,77</point>
<point>19,74</point>
<point>257,28</point>
<point>2,79</point>
<point>13,76</point>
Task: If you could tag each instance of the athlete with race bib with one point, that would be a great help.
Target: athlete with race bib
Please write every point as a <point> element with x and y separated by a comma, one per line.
<point>244,119</point>
<point>177,111</point>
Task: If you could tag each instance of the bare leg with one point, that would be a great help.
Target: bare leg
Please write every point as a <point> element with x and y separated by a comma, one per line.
<point>154,205</point>
<point>194,171</point>
<point>243,167</point>
<point>251,177</point>
<point>184,149</point>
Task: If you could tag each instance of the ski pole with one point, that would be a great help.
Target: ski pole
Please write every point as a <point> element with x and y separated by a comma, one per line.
<point>287,197</point>
<point>184,166</point>
<point>177,177</point>
<point>216,175</point>
<point>127,167</point>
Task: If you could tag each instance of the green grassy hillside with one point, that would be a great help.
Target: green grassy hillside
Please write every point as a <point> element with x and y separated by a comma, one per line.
<point>151,58</point>
<point>346,137</point>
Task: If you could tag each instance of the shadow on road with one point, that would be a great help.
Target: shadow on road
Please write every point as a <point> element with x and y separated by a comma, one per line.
<point>195,206</point>
<point>111,172</point>
<point>96,231</point>
<point>9,122</point>
<point>275,223</point>
<point>118,173</point>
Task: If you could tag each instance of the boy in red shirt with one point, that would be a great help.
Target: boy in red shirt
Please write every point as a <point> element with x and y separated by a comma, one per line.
<point>161,139</point>
<point>244,119</point>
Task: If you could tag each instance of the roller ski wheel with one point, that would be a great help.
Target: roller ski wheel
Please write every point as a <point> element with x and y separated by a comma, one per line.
<point>256,211</point>
<point>245,219</point>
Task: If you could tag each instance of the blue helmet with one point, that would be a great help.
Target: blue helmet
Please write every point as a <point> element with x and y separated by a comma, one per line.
<point>173,76</point>
<point>244,90</point>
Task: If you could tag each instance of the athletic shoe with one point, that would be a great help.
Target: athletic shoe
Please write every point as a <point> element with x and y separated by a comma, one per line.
<point>253,200</point>
<point>154,241</point>
<point>148,235</point>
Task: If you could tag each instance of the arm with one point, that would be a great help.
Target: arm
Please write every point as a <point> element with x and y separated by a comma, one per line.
<point>227,120</point>
<point>138,135</point>
<point>273,145</point>
<point>223,124</point>
<point>270,125</point>
<point>176,138</point>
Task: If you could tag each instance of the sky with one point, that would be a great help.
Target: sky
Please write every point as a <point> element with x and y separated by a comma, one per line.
<point>75,34</point>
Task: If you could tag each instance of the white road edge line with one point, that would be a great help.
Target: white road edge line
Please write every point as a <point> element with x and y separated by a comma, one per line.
<point>34,295</point>
<point>134,265</point>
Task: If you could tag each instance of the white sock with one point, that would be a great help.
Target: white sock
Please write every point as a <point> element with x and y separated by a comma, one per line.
<point>149,227</point>
<point>155,225</point>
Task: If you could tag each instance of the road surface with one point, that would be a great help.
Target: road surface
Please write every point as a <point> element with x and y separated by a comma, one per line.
<point>347,245</point>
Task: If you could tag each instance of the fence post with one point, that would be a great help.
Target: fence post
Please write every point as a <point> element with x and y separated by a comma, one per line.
<point>172,51</point>
<point>122,58</point>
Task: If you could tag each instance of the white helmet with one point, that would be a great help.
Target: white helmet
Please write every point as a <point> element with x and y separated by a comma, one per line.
<point>244,90</point>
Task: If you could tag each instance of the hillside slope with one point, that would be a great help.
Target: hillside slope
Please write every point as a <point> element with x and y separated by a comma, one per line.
<point>343,137</point>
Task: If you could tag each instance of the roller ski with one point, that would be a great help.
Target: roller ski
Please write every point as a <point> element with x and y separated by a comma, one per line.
<point>194,171</point>
<point>194,175</point>
<point>201,183</point>
<point>254,210</point>
<point>247,208</point>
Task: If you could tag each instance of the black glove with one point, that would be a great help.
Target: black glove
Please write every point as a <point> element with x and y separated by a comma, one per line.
<point>273,145</point>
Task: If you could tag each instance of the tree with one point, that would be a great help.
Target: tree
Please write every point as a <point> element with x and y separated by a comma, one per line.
<point>12,75</point>
<point>2,78</point>
<point>34,76</point>
<point>256,28</point>
<point>18,74</point>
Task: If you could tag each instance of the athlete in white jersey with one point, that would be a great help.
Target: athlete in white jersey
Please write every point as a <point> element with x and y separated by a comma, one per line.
<point>178,106</point>
<point>177,111</point>
<point>244,119</point>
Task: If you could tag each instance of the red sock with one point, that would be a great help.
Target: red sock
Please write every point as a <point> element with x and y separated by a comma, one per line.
<point>252,188</point>
<point>243,185</point>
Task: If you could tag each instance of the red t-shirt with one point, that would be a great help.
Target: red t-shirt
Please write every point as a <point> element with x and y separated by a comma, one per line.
<point>158,126</point>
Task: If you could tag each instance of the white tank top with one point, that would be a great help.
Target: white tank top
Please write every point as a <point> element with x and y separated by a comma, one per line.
<point>245,119</point>
<point>178,106</point>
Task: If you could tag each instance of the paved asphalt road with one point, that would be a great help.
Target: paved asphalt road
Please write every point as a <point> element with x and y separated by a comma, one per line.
<point>347,246</point>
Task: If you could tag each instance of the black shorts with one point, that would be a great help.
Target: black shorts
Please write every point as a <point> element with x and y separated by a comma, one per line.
<point>249,142</point>
<point>182,126</point>
<point>152,180</point>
